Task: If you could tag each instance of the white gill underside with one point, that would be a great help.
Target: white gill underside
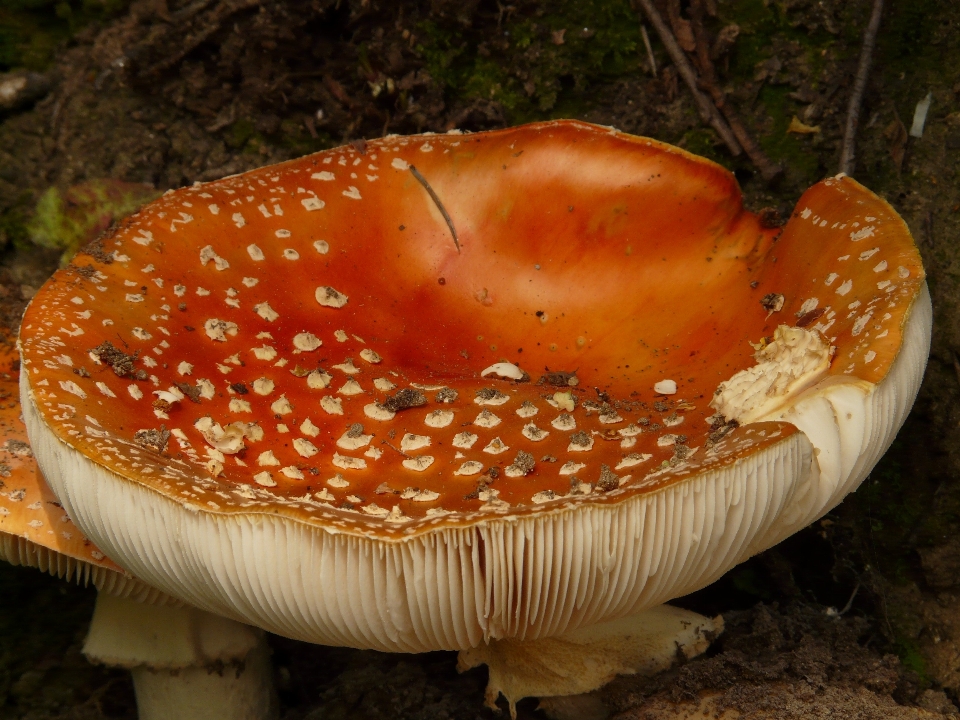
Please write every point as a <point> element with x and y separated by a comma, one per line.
<point>527,578</point>
<point>20,551</point>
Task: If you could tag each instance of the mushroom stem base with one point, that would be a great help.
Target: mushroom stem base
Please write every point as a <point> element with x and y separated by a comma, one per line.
<point>237,691</point>
<point>187,664</point>
<point>590,657</point>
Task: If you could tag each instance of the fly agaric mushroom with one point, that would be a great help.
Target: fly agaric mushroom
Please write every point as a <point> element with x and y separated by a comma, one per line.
<point>357,458</point>
<point>171,669</point>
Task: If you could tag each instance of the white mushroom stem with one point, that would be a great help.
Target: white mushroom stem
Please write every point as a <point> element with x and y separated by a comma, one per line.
<point>187,664</point>
<point>588,658</point>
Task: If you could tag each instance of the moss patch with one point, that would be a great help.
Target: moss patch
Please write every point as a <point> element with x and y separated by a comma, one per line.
<point>538,65</point>
<point>65,220</point>
<point>31,30</point>
<point>790,150</point>
<point>13,225</point>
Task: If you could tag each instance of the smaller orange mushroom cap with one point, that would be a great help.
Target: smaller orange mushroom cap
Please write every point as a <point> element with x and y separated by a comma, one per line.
<point>34,528</point>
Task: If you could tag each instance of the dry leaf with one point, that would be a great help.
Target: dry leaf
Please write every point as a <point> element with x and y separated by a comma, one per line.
<point>724,41</point>
<point>684,33</point>
<point>801,128</point>
<point>896,134</point>
<point>682,29</point>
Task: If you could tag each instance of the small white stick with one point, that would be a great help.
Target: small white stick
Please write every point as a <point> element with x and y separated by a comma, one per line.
<point>646,42</point>
<point>920,116</point>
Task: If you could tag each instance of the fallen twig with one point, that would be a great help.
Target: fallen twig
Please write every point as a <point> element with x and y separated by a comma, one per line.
<point>848,154</point>
<point>394,447</point>
<point>646,42</point>
<point>708,111</point>
<point>770,171</point>
<point>436,201</point>
<point>853,595</point>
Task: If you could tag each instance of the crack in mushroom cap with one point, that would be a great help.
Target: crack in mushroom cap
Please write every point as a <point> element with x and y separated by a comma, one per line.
<point>612,271</point>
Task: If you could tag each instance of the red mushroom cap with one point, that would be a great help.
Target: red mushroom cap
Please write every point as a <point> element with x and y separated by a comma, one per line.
<point>616,261</point>
<point>439,331</point>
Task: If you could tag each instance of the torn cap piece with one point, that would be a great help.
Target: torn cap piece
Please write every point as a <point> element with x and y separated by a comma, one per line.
<point>635,287</point>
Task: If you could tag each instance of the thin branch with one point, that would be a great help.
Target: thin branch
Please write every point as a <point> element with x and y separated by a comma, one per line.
<point>708,112</point>
<point>443,211</point>
<point>394,447</point>
<point>848,152</point>
<point>770,171</point>
<point>646,42</point>
<point>853,595</point>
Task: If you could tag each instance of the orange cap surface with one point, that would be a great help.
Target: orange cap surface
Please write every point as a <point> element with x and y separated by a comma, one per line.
<point>310,339</point>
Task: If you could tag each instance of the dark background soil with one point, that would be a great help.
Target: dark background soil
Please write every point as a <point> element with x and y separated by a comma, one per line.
<point>855,613</point>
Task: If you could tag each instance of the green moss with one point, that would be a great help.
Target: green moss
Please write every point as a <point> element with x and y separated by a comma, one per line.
<point>906,43</point>
<point>65,220</point>
<point>487,80</point>
<point>294,136</point>
<point>790,150</point>
<point>242,135</point>
<point>442,50</point>
<point>911,657</point>
<point>31,30</point>
<point>13,225</point>
<point>747,580</point>
<point>758,21</point>
<point>918,49</point>
<point>466,74</point>
<point>700,140</point>
<point>891,509</point>
<point>539,65</point>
